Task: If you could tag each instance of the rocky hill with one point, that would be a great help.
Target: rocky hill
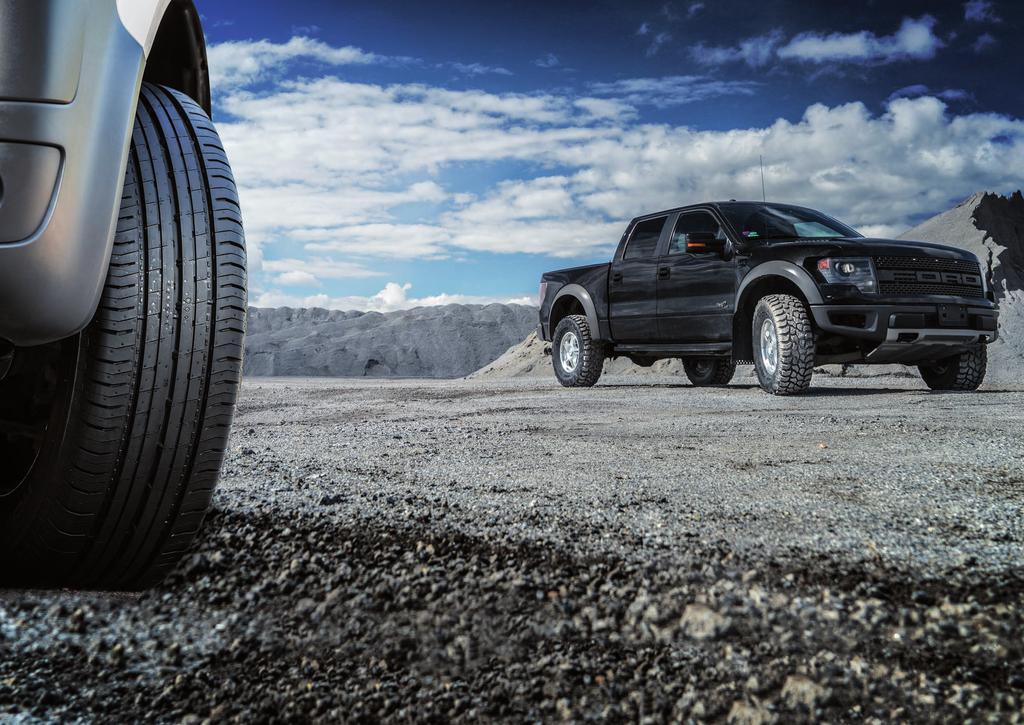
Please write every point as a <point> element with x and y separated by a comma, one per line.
<point>992,227</point>
<point>432,342</point>
<point>989,225</point>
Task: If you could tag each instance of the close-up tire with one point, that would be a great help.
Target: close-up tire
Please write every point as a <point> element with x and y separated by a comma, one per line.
<point>578,360</point>
<point>783,340</point>
<point>706,371</point>
<point>965,371</point>
<point>115,437</point>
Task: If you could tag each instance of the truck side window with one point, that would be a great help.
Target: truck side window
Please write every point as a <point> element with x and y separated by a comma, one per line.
<point>698,221</point>
<point>644,240</point>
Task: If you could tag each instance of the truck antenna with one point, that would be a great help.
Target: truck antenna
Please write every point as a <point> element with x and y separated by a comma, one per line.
<point>764,197</point>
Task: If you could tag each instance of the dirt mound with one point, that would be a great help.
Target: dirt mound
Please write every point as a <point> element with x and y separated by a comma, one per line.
<point>449,341</point>
<point>531,358</point>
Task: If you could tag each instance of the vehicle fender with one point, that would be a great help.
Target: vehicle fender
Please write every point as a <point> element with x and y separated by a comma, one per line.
<point>787,270</point>
<point>141,18</point>
<point>55,248</point>
<point>580,293</point>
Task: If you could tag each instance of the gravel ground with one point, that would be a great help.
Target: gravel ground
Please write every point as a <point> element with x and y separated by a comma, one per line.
<point>510,550</point>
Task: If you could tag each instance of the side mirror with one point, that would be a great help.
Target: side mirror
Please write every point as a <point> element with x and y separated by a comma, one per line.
<point>704,243</point>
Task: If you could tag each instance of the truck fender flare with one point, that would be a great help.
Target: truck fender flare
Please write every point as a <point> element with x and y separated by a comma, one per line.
<point>786,270</point>
<point>581,294</point>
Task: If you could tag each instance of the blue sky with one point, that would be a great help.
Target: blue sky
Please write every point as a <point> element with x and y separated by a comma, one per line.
<point>391,154</point>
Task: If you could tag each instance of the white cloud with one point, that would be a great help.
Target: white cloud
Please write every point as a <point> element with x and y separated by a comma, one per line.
<point>980,11</point>
<point>755,52</point>
<point>919,89</point>
<point>351,172</point>
<point>296,278</point>
<point>694,8</point>
<point>659,40</point>
<point>669,91</point>
<point>393,297</point>
<point>388,240</point>
<point>237,63</point>
<point>297,272</point>
<point>915,39</point>
<point>984,42</point>
<point>478,69</point>
<point>550,60</point>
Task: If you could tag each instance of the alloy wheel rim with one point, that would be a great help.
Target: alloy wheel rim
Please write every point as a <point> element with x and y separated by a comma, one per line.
<point>569,352</point>
<point>769,346</point>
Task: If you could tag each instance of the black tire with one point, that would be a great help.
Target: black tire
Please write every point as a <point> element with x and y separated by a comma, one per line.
<point>965,371</point>
<point>140,403</point>
<point>794,335</point>
<point>589,360</point>
<point>705,371</point>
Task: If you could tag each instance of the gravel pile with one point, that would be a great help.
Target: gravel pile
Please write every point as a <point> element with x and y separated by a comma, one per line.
<point>467,551</point>
<point>447,341</point>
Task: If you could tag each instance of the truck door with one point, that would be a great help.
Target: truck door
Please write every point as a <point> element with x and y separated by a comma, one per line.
<point>633,285</point>
<point>696,282</point>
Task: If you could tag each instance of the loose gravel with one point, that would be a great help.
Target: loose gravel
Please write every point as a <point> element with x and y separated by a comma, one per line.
<point>436,551</point>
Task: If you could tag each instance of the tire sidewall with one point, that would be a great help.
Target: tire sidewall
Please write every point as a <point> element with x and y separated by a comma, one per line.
<point>769,380</point>
<point>962,372</point>
<point>567,325</point>
<point>703,372</point>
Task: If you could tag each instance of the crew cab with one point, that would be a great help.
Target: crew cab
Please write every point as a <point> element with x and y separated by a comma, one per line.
<point>781,286</point>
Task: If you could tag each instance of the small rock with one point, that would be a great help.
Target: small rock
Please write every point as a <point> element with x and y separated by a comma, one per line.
<point>802,690</point>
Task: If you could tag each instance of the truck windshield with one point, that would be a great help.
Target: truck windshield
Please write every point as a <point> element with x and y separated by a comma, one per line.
<point>780,221</point>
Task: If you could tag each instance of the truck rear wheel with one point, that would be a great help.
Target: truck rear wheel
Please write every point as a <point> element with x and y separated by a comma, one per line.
<point>117,435</point>
<point>705,371</point>
<point>783,345</point>
<point>965,371</point>
<point>578,360</point>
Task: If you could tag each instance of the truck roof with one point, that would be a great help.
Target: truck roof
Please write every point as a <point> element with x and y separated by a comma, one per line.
<point>718,204</point>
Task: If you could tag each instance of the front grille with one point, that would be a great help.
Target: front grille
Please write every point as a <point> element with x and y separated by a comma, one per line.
<point>915,276</point>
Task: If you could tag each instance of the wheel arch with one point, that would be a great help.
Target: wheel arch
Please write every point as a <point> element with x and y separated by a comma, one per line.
<point>573,299</point>
<point>767,279</point>
<point>177,56</point>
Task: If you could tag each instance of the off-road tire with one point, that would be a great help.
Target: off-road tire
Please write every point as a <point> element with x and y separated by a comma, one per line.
<point>146,393</point>
<point>792,374</point>
<point>965,371</point>
<point>591,353</point>
<point>704,372</point>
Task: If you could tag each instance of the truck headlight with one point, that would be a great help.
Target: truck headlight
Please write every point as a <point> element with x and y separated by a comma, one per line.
<point>858,271</point>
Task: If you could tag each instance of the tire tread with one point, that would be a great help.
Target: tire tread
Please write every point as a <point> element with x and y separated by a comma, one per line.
<point>158,368</point>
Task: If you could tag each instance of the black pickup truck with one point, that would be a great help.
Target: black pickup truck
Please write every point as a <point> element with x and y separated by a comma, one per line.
<point>781,286</point>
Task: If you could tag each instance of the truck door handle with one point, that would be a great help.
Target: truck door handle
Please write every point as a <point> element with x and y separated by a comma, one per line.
<point>616,276</point>
<point>664,272</point>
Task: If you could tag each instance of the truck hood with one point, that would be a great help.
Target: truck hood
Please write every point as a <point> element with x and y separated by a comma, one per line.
<point>873,247</point>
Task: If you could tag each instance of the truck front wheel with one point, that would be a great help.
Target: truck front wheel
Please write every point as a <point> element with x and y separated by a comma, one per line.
<point>783,345</point>
<point>112,440</point>
<point>577,358</point>
<point>965,371</point>
<point>707,371</point>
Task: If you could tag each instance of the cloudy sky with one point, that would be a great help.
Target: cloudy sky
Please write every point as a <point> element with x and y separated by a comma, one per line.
<point>392,154</point>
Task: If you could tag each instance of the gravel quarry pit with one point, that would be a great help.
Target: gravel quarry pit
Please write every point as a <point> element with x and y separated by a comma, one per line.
<point>511,550</point>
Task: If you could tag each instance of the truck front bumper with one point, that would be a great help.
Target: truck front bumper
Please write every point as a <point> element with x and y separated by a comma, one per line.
<point>911,333</point>
<point>69,79</point>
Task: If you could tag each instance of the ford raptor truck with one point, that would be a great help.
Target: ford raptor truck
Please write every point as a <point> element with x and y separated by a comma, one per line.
<point>122,291</point>
<point>781,286</point>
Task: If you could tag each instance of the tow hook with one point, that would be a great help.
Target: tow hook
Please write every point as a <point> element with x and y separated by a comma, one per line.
<point>6,358</point>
